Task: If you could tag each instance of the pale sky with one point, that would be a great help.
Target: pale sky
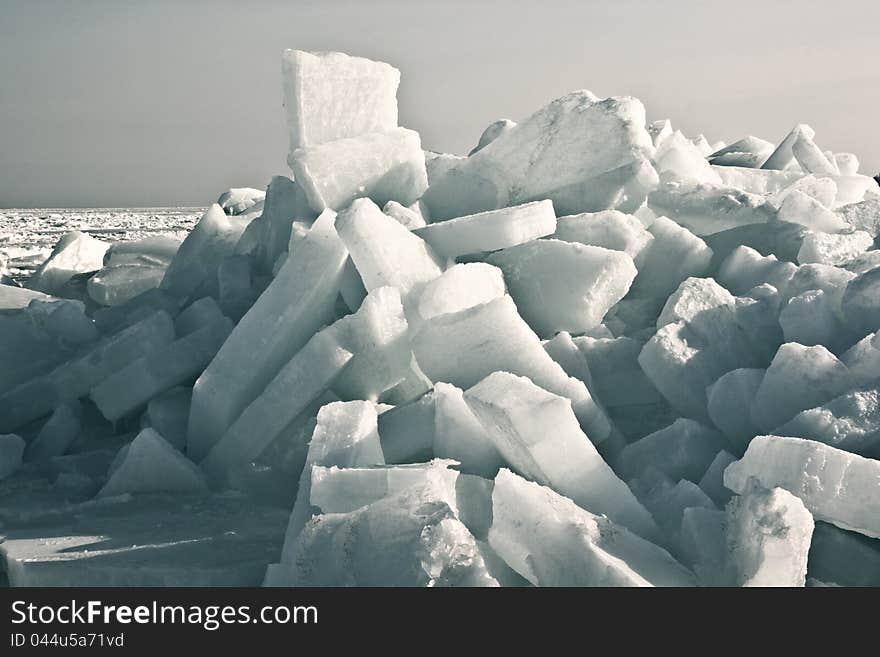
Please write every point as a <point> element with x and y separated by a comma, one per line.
<point>170,102</point>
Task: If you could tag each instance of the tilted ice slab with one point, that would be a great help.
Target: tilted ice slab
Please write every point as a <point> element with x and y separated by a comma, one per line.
<point>460,287</point>
<point>836,486</point>
<point>537,434</point>
<point>768,537</point>
<point>745,268</point>
<point>609,229</point>
<point>706,208</point>
<point>459,434</point>
<point>297,303</point>
<point>463,348</point>
<point>75,253</point>
<point>582,153</point>
<point>330,95</point>
<point>384,166</point>
<point>490,230</point>
<point>551,541</point>
<point>564,286</point>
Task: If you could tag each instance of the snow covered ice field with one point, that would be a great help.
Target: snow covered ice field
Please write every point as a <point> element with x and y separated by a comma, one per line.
<point>593,352</point>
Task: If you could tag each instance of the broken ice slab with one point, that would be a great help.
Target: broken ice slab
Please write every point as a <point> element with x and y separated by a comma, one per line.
<point>565,351</point>
<point>845,558</point>
<point>703,544</point>
<point>383,166</point>
<point>384,252</point>
<point>150,540</point>
<point>834,249</point>
<point>705,209</point>
<point>111,320</point>
<point>131,387</point>
<point>193,271</point>
<point>836,486</point>
<point>799,208</point>
<point>846,163</point>
<point>849,422</point>
<point>811,158</point>
<point>75,253</point>
<point>168,414</point>
<point>301,380</point>
<point>677,157</point>
<point>683,450</point>
<point>406,216</point>
<point>116,284</point>
<point>730,401</point>
<point>745,268</point>
<point>238,200</point>
<point>74,379</point>
<point>551,541</point>
<point>463,348</point>
<point>712,482</point>
<point>409,539</point>
<point>615,375</point>
<point>582,153</point>
<point>673,255</point>
<point>768,537</point>
<point>297,303</point>
<point>811,319</point>
<point>11,453</point>
<point>798,378</point>
<point>863,359</point>
<point>459,434</point>
<point>460,287</point>
<point>150,464</point>
<point>236,291</point>
<point>609,229</point>
<point>861,302</point>
<point>864,215</point>
<point>821,188</point>
<point>56,435</point>
<point>330,95</point>
<point>407,431</point>
<point>14,298</point>
<point>668,503</point>
<point>285,203</point>
<point>783,155</point>
<point>490,230</point>
<point>564,286</point>
<point>538,435</point>
<point>693,297</point>
<point>749,152</point>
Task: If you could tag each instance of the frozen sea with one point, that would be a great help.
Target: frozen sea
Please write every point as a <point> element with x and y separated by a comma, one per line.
<point>28,235</point>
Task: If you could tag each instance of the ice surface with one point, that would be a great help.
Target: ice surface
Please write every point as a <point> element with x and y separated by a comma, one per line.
<point>863,359</point>
<point>864,215</point>
<point>564,351</point>
<point>564,286</point>
<point>783,155</point>
<point>168,414</point>
<point>582,153</point>
<point>811,158</point>
<point>730,402</point>
<point>407,431</point>
<point>678,156</point>
<point>835,486</point>
<point>518,415</point>
<point>11,452</point>
<point>834,249</point>
<point>75,253</point>
<point>861,301</point>
<point>461,287</point>
<point>712,481</point>
<point>330,95</point>
<point>846,558</point>
<point>238,200</point>
<point>490,230</point>
<point>150,464</point>
<point>799,208</point>
<point>459,434</point>
<point>57,434</point>
<point>407,217</point>
<point>609,229</point>
<point>745,268</point>
<point>693,297</point>
<point>747,152</point>
<point>384,166</point>
<point>615,374</point>
<point>299,300</point>
<point>705,208</point>
<point>768,534</point>
<point>551,541</point>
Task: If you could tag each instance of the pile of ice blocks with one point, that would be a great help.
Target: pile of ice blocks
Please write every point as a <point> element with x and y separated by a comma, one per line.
<point>592,352</point>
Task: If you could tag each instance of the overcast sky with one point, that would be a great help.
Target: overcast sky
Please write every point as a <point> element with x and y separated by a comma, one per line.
<point>170,102</point>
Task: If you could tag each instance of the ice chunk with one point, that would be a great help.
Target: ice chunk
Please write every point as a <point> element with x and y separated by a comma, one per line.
<point>384,166</point>
<point>459,435</point>
<point>112,320</point>
<point>609,229</point>
<point>768,534</point>
<point>75,253</point>
<point>564,351</point>
<point>747,152</point>
<point>74,379</point>
<point>550,541</point>
<point>823,189</point>
<point>285,203</point>
<point>864,215</point>
<point>705,209</point>
<point>861,301</point>
<point>674,255</point>
<point>703,544</point>
<point>863,359</point>
<point>850,422</point>
<point>843,557</point>
<point>236,291</point>
<point>783,155</point>
<point>801,209</point>
<point>491,230</point>
<point>492,132</point>
<point>193,271</point>
<point>864,262</point>
<point>564,286</point>
<point>464,347</point>
<point>676,155</point>
<point>238,200</point>
<point>384,252</point>
<point>11,451</point>
<point>409,219</point>
<point>712,481</point>
<point>836,486</point>
<point>299,300</point>
<point>810,319</point>
<point>811,159</point>
<point>60,430</point>
<point>660,131</point>
<point>668,504</point>
<point>537,434</point>
<point>407,431</point>
<point>168,414</point>
<point>115,284</point>
<point>461,287</point>
<point>846,163</point>
<point>330,95</point>
<point>730,403</point>
<point>615,374</point>
<point>582,153</point>
<point>745,268</point>
<point>409,539</point>
<point>131,387</point>
<point>798,378</point>
<point>14,298</point>
<point>150,464</point>
<point>683,450</point>
<point>834,249</point>
<point>693,296</point>
<point>309,373</point>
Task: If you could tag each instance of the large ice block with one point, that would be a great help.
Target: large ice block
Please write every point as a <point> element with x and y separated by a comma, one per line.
<point>564,286</point>
<point>609,229</point>
<point>861,301</point>
<point>299,300</point>
<point>330,95</point>
<point>490,230</point>
<point>383,166</point>
<point>75,253</point>
<point>538,435</point>
<point>460,287</point>
<point>811,158</point>
<point>238,200</point>
<point>551,541</point>
<point>836,486</point>
<point>783,155</point>
<point>57,434</point>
